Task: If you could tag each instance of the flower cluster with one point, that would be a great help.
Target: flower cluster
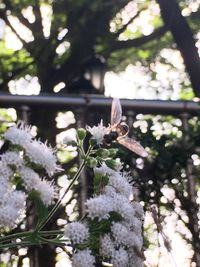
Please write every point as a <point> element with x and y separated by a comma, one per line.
<point>18,167</point>
<point>11,204</point>
<point>111,230</point>
<point>124,241</point>
<point>77,232</point>
<point>37,152</point>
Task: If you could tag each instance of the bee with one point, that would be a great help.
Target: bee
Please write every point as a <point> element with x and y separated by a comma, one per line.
<point>118,131</point>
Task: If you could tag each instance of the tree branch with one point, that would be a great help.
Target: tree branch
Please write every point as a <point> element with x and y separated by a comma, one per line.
<point>4,17</point>
<point>129,22</point>
<point>139,41</point>
<point>38,27</point>
<point>21,18</point>
<point>184,39</point>
<point>14,73</point>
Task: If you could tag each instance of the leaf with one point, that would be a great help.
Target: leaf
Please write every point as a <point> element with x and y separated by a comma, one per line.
<point>41,209</point>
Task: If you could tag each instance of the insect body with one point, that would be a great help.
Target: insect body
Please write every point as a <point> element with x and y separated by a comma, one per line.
<point>122,129</point>
<point>112,136</point>
<point>118,131</point>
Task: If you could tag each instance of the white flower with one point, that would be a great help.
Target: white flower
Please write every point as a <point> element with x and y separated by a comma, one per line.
<point>124,236</point>
<point>12,204</point>
<point>46,191</point>
<point>99,207</point>
<point>32,181</point>
<point>104,170</point>
<point>77,232</point>
<point>110,191</point>
<point>120,258</point>
<point>121,234</point>
<point>43,155</point>
<point>8,216</point>
<point>97,132</point>
<point>123,207</point>
<point>83,259</point>
<point>5,171</point>
<point>18,134</point>
<point>12,158</point>
<point>139,212</point>
<point>135,224</point>
<point>120,184</point>
<point>16,199</point>
<point>30,178</point>
<point>3,188</point>
<point>136,259</point>
<point>106,246</point>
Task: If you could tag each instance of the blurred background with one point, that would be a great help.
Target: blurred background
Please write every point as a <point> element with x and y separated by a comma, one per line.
<point>61,62</point>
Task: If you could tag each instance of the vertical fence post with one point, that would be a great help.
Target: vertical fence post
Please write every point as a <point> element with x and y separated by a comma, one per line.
<point>24,113</point>
<point>130,118</point>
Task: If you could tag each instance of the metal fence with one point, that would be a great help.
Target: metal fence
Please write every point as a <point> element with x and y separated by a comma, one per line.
<point>60,102</point>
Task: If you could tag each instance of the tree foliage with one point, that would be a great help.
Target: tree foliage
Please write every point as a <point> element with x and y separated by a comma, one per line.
<point>64,35</point>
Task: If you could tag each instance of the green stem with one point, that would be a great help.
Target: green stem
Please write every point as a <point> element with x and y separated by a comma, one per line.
<point>16,244</point>
<point>14,236</point>
<point>52,241</point>
<point>76,176</point>
<point>80,147</point>
<point>26,234</point>
<point>52,232</point>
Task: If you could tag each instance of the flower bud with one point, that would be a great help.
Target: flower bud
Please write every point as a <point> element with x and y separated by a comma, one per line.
<point>81,133</point>
<point>103,153</point>
<point>93,141</point>
<point>114,164</point>
<point>91,162</point>
<point>112,152</point>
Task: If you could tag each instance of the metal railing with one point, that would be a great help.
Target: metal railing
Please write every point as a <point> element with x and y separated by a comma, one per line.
<point>162,107</point>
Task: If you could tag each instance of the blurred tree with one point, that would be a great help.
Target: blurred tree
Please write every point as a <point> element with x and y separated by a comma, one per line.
<point>64,35</point>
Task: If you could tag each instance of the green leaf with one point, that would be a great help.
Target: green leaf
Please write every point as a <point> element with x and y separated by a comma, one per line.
<point>99,181</point>
<point>41,209</point>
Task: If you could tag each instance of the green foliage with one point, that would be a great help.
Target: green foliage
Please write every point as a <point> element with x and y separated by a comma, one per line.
<point>187,94</point>
<point>14,63</point>
<point>41,209</point>
<point>5,119</point>
<point>99,182</point>
<point>95,26</point>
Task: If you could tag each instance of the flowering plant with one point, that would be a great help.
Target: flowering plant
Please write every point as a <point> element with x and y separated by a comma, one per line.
<point>110,232</point>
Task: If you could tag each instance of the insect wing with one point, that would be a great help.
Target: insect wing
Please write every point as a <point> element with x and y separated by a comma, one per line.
<point>133,145</point>
<point>116,112</point>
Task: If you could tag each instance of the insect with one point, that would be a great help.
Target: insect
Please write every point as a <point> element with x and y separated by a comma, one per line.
<point>118,131</point>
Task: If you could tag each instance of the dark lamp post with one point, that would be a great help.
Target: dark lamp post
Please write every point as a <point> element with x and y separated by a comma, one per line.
<point>95,71</point>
